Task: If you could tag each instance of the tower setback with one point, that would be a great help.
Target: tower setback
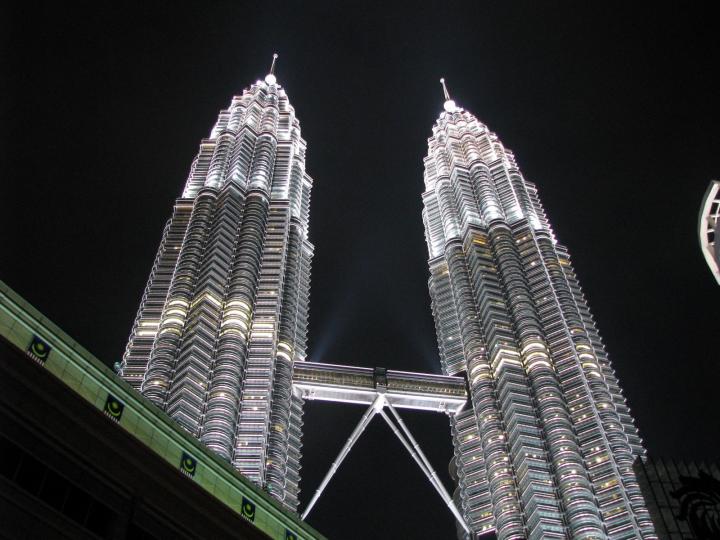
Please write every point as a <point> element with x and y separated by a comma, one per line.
<point>547,448</point>
<point>224,313</point>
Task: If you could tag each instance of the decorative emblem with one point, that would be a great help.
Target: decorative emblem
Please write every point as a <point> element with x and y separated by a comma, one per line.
<point>113,407</point>
<point>248,509</point>
<point>700,505</point>
<point>38,350</point>
<point>188,464</point>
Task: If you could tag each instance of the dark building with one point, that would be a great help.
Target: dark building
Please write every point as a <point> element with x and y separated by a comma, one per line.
<point>683,497</point>
<point>85,456</point>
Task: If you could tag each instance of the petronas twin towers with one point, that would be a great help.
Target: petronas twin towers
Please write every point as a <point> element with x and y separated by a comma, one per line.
<point>545,446</point>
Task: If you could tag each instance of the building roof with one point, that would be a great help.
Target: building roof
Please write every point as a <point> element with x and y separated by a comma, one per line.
<point>25,328</point>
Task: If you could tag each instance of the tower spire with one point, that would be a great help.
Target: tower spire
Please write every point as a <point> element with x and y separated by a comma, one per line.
<point>449,104</point>
<point>270,77</point>
<point>445,90</point>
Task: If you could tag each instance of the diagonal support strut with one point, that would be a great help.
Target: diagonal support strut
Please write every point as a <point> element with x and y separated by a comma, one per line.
<point>354,436</point>
<point>408,441</point>
<point>412,446</point>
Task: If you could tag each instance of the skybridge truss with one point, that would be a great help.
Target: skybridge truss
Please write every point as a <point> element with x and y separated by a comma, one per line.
<point>382,389</point>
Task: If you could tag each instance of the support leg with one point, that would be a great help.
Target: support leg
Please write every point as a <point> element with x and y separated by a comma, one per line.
<point>364,421</point>
<point>419,456</point>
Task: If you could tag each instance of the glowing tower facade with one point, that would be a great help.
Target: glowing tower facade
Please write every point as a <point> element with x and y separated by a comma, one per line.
<point>224,315</point>
<point>547,448</point>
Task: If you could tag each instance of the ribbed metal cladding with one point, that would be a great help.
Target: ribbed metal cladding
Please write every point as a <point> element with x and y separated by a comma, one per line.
<point>224,315</point>
<point>547,449</point>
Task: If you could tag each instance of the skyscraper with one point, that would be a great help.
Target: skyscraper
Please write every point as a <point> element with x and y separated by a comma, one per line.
<point>224,313</point>
<point>547,448</point>
<point>707,228</point>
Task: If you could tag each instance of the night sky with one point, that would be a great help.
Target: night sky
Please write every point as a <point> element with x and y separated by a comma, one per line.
<point>611,111</point>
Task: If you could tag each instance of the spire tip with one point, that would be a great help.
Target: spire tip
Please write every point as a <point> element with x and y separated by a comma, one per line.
<point>445,90</point>
<point>270,77</point>
<point>272,66</point>
<point>449,103</point>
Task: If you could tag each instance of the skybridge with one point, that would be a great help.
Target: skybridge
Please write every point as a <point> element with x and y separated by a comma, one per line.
<point>381,389</point>
<point>362,385</point>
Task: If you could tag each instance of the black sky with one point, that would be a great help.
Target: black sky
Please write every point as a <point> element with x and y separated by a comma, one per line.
<point>610,109</point>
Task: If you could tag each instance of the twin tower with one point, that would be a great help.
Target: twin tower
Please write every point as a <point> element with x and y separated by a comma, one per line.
<point>544,445</point>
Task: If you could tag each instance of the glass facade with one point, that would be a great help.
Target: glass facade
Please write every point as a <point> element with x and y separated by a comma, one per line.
<point>224,314</point>
<point>547,448</point>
